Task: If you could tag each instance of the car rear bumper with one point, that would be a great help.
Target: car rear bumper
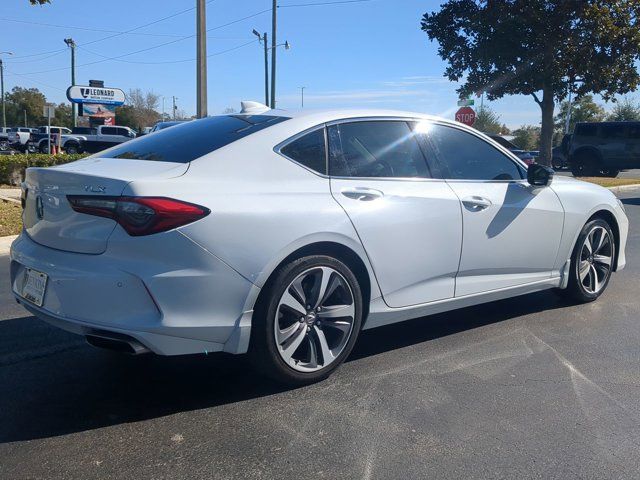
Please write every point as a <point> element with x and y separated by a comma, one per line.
<point>166,292</point>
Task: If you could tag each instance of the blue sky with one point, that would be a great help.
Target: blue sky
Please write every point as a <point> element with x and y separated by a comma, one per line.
<point>368,54</point>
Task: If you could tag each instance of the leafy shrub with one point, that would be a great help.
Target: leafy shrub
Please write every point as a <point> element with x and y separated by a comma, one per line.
<point>12,167</point>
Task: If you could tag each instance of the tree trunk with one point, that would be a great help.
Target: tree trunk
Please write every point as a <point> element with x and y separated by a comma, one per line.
<point>547,106</point>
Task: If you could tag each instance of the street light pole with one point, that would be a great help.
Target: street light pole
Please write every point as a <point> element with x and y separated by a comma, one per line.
<point>72,45</point>
<point>302,97</point>
<point>201,74</point>
<point>273,52</point>
<point>4,113</point>
<point>263,39</point>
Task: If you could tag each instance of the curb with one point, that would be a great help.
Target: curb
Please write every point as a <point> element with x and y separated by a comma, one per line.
<point>622,188</point>
<point>5,244</point>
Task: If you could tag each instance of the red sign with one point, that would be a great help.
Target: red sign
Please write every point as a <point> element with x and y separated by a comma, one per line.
<point>466,115</point>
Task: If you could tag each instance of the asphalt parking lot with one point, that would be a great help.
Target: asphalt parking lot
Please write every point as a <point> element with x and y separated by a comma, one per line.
<point>531,387</point>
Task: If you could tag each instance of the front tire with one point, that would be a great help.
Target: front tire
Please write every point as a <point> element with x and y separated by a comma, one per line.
<point>591,262</point>
<point>307,321</point>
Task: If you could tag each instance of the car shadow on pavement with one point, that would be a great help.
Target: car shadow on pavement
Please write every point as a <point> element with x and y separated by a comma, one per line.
<point>54,384</point>
<point>631,201</point>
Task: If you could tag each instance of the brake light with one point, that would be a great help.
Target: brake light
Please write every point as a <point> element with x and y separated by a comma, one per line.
<point>140,215</point>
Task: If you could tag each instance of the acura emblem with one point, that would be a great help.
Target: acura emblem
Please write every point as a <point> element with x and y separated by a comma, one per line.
<point>39,207</point>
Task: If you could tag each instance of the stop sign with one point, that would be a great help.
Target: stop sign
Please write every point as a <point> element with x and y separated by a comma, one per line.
<point>466,115</point>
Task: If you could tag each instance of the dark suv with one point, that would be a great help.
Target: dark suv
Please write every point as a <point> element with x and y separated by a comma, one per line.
<point>603,149</point>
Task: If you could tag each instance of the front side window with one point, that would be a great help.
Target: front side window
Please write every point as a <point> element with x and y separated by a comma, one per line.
<point>109,131</point>
<point>384,149</point>
<point>464,156</point>
<point>308,150</point>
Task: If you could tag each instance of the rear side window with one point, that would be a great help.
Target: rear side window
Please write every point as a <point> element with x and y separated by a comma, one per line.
<point>109,131</point>
<point>376,149</point>
<point>308,150</point>
<point>467,157</point>
<point>587,130</point>
<point>612,131</point>
<point>186,142</point>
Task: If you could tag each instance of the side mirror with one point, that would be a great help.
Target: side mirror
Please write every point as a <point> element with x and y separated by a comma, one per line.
<point>539,175</point>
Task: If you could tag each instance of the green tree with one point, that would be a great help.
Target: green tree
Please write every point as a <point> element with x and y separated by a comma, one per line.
<point>487,121</point>
<point>21,100</point>
<point>534,47</point>
<point>527,137</point>
<point>63,117</point>
<point>584,109</point>
<point>625,111</point>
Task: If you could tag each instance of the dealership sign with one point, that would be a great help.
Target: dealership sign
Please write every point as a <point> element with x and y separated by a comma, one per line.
<point>103,95</point>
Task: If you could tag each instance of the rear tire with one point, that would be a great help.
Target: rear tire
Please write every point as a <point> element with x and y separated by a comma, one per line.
<point>43,148</point>
<point>585,164</point>
<point>72,149</point>
<point>591,262</point>
<point>299,334</point>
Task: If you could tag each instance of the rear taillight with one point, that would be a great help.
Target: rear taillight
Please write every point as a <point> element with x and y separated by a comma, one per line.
<point>140,215</point>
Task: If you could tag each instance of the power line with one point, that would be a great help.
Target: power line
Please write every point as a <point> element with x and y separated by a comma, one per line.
<point>149,48</point>
<point>318,4</point>
<point>34,81</point>
<point>90,29</point>
<point>170,61</point>
<point>117,34</point>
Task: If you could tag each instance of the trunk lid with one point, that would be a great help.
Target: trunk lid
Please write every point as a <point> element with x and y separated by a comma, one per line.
<point>48,217</point>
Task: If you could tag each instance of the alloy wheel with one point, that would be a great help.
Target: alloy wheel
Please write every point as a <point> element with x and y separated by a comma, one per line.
<point>314,319</point>
<point>596,258</point>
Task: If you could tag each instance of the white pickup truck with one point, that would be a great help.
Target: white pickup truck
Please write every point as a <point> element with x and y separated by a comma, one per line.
<point>19,138</point>
<point>92,140</point>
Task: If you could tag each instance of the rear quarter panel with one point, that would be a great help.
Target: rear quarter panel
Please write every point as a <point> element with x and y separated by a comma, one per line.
<point>263,206</point>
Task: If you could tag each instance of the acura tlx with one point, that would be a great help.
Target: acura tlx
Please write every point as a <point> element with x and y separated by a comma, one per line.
<point>284,234</point>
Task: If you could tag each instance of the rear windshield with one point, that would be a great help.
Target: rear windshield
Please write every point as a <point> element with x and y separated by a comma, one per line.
<point>191,140</point>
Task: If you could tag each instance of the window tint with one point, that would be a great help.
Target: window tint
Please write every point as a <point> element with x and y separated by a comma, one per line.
<point>308,150</point>
<point>634,131</point>
<point>109,131</point>
<point>122,132</point>
<point>612,131</point>
<point>375,149</point>
<point>190,140</point>
<point>587,130</point>
<point>467,157</point>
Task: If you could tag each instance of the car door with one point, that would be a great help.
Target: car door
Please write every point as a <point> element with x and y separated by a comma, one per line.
<point>410,223</point>
<point>512,230</point>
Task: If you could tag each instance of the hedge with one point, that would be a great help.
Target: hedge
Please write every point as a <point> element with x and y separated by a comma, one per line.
<point>12,167</point>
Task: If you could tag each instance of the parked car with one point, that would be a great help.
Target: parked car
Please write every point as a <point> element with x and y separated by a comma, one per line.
<point>523,155</point>
<point>162,125</point>
<point>284,234</point>
<point>93,140</point>
<point>42,137</point>
<point>603,149</point>
<point>19,139</point>
<point>4,139</point>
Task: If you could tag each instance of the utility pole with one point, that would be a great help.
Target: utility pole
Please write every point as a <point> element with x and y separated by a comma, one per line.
<point>567,122</point>
<point>163,109</point>
<point>72,45</point>
<point>273,52</point>
<point>201,74</point>
<point>4,113</point>
<point>263,39</point>
<point>174,106</point>
<point>302,97</point>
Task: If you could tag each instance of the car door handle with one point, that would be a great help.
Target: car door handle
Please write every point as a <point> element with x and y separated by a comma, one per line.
<point>476,203</point>
<point>362,194</point>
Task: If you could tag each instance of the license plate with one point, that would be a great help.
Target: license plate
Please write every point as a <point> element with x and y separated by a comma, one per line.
<point>34,284</point>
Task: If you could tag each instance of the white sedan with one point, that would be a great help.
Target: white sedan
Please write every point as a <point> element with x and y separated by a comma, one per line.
<point>284,234</point>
